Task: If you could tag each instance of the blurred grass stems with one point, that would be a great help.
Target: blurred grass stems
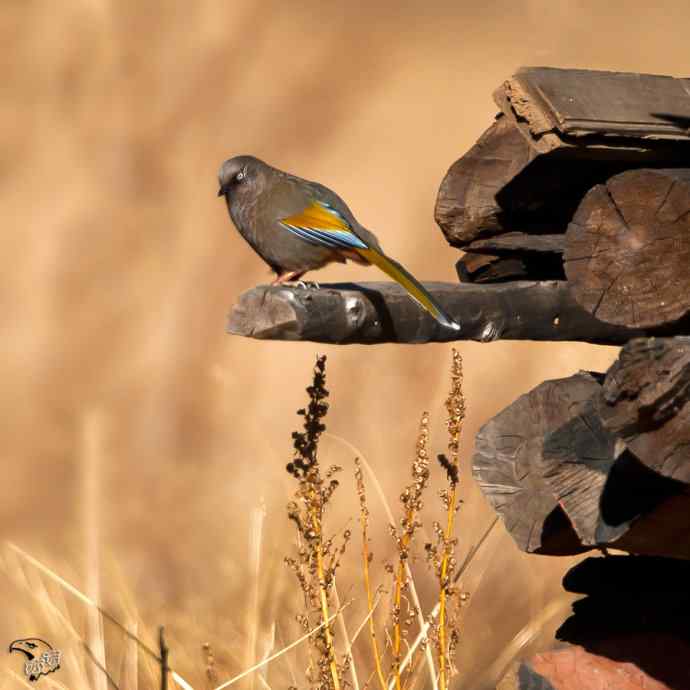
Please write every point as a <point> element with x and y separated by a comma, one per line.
<point>389,514</point>
<point>497,669</point>
<point>92,451</point>
<point>89,602</point>
<point>257,518</point>
<point>282,651</point>
<point>348,656</point>
<point>366,558</point>
<point>59,619</point>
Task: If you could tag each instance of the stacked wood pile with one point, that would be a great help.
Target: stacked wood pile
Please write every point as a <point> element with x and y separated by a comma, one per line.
<point>573,214</point>
<point>583,176</point>
<point>584,179</point>
<point>597,460</point>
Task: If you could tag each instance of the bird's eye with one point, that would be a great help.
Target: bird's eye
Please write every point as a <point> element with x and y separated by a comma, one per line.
<point>30,645</point>
<point>241,175</point>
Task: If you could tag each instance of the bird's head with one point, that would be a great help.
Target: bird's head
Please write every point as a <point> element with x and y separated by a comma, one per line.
<point>31,647</point>
<point>241,175</point>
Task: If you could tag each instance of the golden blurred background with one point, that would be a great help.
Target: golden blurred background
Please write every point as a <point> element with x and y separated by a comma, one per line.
<point>139,439</point>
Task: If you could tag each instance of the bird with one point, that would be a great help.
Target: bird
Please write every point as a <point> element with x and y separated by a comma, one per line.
<point>297,226</point>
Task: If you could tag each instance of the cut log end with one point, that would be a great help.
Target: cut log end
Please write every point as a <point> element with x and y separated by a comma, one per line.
<point>628,249</point>
<point>510,466</point>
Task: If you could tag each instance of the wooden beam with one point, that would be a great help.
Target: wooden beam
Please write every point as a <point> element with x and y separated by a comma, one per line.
<point>627,253</point>
<point>614,109</point>
<point>383,313</point>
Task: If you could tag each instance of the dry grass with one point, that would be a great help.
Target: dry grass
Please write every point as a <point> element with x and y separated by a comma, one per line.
<point>330,659</point>
<point>119,265</point>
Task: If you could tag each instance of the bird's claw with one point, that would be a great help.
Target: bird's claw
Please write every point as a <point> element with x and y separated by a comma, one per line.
<point>304,284</point>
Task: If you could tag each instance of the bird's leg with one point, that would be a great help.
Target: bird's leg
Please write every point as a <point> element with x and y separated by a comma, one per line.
<point>288,277</point>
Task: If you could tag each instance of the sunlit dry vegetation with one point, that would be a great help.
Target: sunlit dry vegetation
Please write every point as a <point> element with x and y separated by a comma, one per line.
<point>144,449</point>
<point>412,639</point>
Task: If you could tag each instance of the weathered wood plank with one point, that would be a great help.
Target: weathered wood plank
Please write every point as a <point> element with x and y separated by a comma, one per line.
<point>646,400</point>
<point>627,255</point>
<point>382,312</point>
<point>519,242</point>
<point>579,103</point>
<point>531,168</point>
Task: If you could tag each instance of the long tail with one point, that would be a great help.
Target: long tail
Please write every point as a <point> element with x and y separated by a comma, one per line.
<point>413,287</point>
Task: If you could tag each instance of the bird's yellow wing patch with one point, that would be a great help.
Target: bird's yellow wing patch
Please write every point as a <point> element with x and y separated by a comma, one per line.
<point>318,216</point>
<point>322,224</point>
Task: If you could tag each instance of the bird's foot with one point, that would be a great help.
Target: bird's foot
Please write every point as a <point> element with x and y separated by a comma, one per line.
<point>303,284</point>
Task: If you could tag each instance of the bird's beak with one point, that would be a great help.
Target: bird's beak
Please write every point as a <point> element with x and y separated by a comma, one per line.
<point>221,191</point>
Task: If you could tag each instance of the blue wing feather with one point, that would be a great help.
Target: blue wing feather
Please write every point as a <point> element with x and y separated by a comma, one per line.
<point>339,237</point>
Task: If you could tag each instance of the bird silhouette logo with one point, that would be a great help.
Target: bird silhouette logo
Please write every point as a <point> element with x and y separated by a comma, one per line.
<point>41,658</point>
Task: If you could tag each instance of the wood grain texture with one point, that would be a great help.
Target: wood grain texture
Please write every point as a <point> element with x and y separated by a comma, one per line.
<point>383,313</point>
<point>646,401</point>
<point>627,253</point>
<point>466,206</point>
<point>564,480</point>
<point>579,457</point>
<point>560,133</point>
<point>580,102</point>
<point>510,466</point>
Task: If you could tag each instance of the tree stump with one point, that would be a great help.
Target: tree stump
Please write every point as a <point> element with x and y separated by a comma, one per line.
<point>627,255</point>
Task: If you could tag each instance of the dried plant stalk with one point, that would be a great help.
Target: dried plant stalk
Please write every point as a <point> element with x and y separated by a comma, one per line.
<point>366,559</point>
<point>313,570</point>
<point>411,500</point>
<point>447,631</point>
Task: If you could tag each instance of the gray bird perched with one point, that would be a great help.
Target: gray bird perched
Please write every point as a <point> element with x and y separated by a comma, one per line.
<point>296,226</point>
